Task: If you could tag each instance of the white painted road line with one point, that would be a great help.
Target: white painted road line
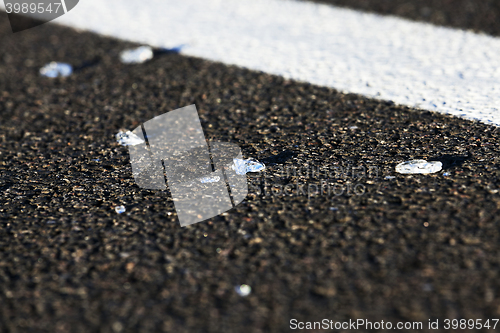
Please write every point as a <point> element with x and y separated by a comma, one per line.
<point>410,63</point>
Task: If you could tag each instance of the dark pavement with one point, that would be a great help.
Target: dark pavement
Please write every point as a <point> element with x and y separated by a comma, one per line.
<point>479,16</point>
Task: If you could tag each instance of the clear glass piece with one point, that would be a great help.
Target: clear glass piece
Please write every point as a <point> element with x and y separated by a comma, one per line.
<point>127,138</point>
<point>210,179</point>
<point>120,209</point>
<point>137,55</point>
<point>55,69</point>
<point>243,290</point>
<point>242,167</point>
<point>419,167</point>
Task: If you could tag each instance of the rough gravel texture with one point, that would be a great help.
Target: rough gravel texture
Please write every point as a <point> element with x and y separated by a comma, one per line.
<point>410,248</point>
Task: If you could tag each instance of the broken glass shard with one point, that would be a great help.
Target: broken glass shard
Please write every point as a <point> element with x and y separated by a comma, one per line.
<point>120,209</point>
<point>137,55</point>
<point>243,290</point>
<point>419,166</point>
<point>55,69</point>
<point>127,138</point>
<point>210,179</point>
<point>241,166</point>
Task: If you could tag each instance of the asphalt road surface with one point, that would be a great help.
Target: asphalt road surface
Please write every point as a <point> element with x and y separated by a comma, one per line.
<point>400,249</point>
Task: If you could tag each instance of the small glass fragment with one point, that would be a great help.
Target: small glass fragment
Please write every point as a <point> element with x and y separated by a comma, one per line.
<point>137,55</point>
<point>243,290</point>
<point>241,167</point>
<point>446,174</point>
<point>390,177</point>
<point>210,179</point>
<point>419,166</point>
<point>55,69</point>
<point>120,209</point>
<point>128,138</point>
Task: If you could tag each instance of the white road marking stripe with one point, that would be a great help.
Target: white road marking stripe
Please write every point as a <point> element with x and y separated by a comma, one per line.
<point>410,63</point>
